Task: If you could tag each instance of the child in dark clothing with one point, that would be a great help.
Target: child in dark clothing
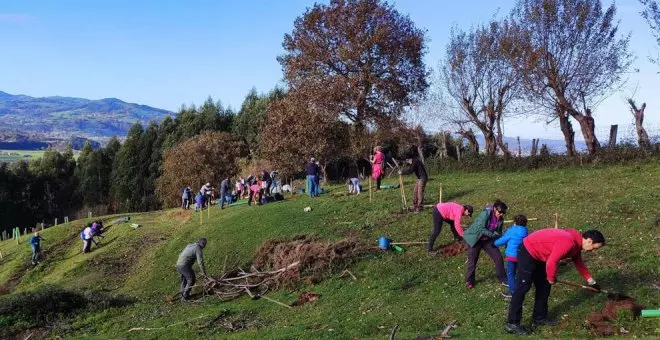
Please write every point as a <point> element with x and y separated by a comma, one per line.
<point>35,243</point>
<point>513,238</point>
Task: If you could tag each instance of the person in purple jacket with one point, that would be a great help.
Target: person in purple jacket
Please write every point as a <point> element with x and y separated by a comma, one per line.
<point>512,238</point>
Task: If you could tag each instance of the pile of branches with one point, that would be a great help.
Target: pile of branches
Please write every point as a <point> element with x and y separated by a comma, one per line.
<point>286,264</point>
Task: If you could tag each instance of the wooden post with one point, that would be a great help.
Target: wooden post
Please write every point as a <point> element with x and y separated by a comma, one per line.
<point>458,152</point>
<point>89,214</point>
<point>403,193</point>
<point>208,210</point>
<point>613,131</point>
<point>556,220</point>
<point>519,148</point>
<point>440,194</point>
<point>201,213</point>
<point>369,188</point>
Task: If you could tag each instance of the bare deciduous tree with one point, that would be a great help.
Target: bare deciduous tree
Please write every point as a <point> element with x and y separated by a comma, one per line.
<point>570,56</point>
<point>481,81</point>
<point>642,137</point>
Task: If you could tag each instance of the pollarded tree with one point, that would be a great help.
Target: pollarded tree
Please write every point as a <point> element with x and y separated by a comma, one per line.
<point>292,133</point>
<point>208,157</point>
<point>359,58</point>
<point>481,81</point>
<point>570,57</point>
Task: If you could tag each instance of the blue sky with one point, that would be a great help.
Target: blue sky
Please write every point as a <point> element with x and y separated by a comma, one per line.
<point>166,53</point>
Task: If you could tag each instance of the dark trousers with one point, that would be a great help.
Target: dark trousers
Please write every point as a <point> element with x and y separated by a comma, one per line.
<point>418,194</point>
<point>529,271</point>
<point>473,257</point>
<point>222,199</point>
<point>35,254</point>
<point>186,280</point>
<point>87,244</point>
<point>378,182</point>
<point>437,228</point>
<point>250,196</point>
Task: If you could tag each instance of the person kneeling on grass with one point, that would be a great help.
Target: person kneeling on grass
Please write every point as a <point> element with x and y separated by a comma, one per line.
<point>538,258</point>
<point>512,238</point>
<point>35,243</point>
<point>190,253</point>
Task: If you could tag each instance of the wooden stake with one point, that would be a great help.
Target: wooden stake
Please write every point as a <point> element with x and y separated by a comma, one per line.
<point>369,188</point>
<point>556,220</point>
<point>208,210</point>
<point>200,217</point>
<point>275,301</point>
<point>406,243</point>
<point>403,192</point>
<point>529,219</point>
<point>440,194</point>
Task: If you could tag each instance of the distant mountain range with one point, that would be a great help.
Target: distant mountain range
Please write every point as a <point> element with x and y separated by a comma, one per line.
<point>62,118</point>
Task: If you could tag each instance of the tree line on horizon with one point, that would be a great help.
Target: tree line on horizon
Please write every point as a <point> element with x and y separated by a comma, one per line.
<point>355,78</point>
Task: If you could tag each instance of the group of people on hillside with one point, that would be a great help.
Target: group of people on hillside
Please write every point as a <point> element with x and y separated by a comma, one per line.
<point>257,189</point>
<point>531,259</point>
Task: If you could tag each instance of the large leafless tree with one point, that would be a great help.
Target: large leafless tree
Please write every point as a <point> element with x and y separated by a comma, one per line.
<point>480,80</point>
<point>359,58</point>
<point>570,56</point>
<point>651,14</point>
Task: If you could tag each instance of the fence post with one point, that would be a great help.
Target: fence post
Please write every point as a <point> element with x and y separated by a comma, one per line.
<point>613,131</point>
<point>89,214</point>
<point>66,219</point>
<point>55,220</point>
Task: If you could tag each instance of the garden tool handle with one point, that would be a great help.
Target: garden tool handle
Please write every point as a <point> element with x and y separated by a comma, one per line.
<point>582,286</point>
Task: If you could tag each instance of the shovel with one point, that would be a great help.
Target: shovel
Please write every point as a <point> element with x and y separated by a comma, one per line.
<point>610,295</point>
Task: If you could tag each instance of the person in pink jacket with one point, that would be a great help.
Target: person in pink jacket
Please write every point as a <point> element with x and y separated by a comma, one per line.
<point>451,213</point>
<point>377,165</point>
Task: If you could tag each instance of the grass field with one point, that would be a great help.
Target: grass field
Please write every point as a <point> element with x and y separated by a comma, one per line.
<point>10,156</point>
<point>419,293</point>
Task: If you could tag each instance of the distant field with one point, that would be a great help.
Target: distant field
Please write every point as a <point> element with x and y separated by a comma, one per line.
<point>11,156</point>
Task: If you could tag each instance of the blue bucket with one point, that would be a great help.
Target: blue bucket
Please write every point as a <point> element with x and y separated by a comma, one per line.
<point>384,242</point>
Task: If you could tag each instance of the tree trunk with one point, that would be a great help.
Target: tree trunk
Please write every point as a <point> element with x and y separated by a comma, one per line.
<point>588,126</point>
<point>567,130</point>
<point>642,137</point>
<point>491,144</point>
<point>500,137</point>
<point>471,138</point>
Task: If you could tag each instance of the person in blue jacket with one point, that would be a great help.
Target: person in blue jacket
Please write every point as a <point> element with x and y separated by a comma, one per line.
<point>513,238</point>
<point>35,243</point>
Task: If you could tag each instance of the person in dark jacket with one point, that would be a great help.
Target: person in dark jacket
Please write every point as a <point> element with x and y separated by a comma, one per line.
<point>417,167</point>
<point>191,253</point>
<point>512,238</point>
<point>225,187</point>
<point>312,174</point>
<point>538,259</point>
<point>480,235</point>
<point>185,198</point>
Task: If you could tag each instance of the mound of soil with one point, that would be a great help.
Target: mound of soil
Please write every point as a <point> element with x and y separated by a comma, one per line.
<point>602,324</point>
<point>453,249</point>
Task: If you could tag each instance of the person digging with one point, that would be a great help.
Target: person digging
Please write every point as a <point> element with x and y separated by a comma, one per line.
<point>450,213</point>
<point>538,257</point>
<point>190,253</point>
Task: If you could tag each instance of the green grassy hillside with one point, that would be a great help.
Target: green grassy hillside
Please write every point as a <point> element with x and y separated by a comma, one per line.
<point>417,292</point>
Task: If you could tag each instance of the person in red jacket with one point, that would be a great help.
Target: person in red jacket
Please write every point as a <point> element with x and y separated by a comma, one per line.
<point>538,258</point>
<point>451,213</point>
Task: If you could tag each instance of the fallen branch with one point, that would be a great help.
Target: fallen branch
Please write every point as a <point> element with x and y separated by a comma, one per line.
<point>349,273</point>
<point>168,326</point>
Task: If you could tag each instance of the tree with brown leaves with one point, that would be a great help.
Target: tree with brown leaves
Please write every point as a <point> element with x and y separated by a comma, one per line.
<point>358,59</point>
<point>209,157</point>
<point>570,57</point>
<point>293,132</point>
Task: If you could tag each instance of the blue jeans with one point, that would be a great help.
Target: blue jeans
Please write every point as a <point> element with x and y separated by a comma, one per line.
<point>311,185</point>
<point>511,275</point>
<point>35,254</point>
